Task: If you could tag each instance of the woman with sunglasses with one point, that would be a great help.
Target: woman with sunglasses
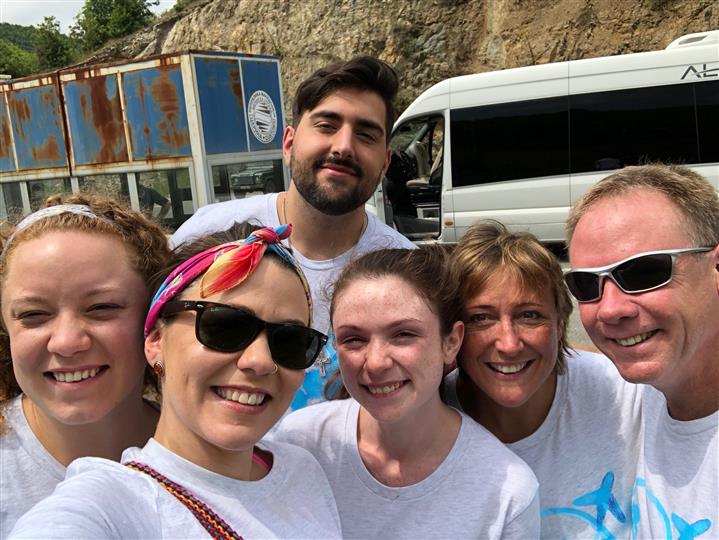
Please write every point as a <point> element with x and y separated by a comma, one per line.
<point>228,335</point>
<point>401,463</point>
<point>75,289</point>
<point>567,413</point>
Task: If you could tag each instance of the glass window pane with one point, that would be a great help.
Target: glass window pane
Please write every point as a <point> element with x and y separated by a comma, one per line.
<point>240,180</point>
<point>12,199</point>
<point>111,186</point>
<point>508,141</point>
<point>166,196</point>
<point>413,181</point>
<point>39,190</point>
<point>610,130</point>
<point>707,99</point>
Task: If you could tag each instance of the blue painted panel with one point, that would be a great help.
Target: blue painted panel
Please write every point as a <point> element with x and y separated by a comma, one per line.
<point>95,119</point>
<point>263,103</point>
<point>7,163</point>
<point>221,105</point>
<point>39,139</point>
<point>155,109</point>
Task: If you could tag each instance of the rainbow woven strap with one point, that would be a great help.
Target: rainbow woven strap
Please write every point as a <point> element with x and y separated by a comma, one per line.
<point>213,524</point>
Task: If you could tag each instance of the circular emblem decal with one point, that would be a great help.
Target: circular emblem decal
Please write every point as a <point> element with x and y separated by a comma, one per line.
<point>262,117</point>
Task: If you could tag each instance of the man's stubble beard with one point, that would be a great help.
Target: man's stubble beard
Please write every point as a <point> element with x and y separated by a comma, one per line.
<point>303,176</point>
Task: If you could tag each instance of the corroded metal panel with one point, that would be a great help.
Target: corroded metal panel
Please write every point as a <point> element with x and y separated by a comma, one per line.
<point>94,115</point>
<point>155,109</point>
<point>37,127</point>
<point>7,161</point>
<point>263,103</point>
<point>221,105</point>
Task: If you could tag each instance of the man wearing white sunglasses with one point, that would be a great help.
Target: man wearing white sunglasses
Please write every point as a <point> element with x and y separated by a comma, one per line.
<point>644,254</point>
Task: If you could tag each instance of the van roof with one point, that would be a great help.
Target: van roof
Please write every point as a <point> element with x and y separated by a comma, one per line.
<point>545,80</point>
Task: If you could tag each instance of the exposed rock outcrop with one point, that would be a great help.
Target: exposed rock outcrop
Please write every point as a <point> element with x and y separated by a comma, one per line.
<point>426,40</point>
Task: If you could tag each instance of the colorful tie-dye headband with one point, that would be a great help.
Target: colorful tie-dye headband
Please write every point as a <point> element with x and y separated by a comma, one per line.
<point>56,210</point>
<point>224,267</point>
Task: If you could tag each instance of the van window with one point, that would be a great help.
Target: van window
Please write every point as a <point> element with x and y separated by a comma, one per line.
<point>413,181</point>
<point>511,140</point>
<point>707,99</point>
<point>613,129</point>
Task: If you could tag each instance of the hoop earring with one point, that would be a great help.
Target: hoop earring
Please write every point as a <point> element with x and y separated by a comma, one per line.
<point>159,368</point>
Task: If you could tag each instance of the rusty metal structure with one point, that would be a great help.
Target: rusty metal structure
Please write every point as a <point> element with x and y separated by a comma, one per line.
<point>164,133</point>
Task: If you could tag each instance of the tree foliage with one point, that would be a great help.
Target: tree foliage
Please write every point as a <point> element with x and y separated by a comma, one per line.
<point>15,61</point>
<point>21,36</point>
<point>102,20</point>
<point>53,49</point>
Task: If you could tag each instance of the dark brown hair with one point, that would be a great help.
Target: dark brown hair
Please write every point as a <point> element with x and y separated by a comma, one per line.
<point>360,73</point>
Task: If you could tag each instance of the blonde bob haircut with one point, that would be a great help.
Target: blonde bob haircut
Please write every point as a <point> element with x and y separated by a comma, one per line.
<point>488,248</point>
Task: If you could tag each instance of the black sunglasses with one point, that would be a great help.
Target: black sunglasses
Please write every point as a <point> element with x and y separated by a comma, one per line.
<point>638,273</point>
<point>230,329</point>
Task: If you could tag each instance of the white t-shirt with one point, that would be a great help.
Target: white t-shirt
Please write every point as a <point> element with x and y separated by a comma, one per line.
<point>321,275</point>
<point>481,490</point>
<point>585,452</point>
<point>28,473</point>
<point>104,499</point>
<point>676,494</point>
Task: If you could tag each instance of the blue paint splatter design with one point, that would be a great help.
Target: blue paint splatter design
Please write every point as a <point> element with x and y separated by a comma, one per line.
<point>604,502</point>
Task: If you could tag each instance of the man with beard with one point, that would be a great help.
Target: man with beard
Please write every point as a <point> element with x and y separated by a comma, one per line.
<point>337,152</point>
<point>644,251</point>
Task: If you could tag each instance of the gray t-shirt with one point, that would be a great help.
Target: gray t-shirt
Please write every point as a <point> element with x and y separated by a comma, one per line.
<point>104,499</point>
<point>321,275</point>
<point>585,452</point>
<point>28,473</point>
<point>480,490</point>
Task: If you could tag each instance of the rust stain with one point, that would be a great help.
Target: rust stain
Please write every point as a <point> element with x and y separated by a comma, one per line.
<point>107,120</point>
<point>49,151</point>
<point>237,87</point>
<point>83,106</point>
<point>5,143</point>
<point>165,96</point>
<point>146,121</point>
<point>22,113</point>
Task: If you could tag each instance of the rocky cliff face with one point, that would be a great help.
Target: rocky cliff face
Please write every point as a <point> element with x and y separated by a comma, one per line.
<point>426,40</point>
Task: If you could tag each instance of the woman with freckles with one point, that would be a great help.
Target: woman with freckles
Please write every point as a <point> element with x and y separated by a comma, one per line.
<point>75,288</point>
<point>228,335</point>
<point>400,461</point>
<point>567,413</point>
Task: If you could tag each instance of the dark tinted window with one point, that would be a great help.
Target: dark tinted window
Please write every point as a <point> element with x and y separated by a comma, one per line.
<point>510,140</point>
<point>707,96</point>
<point>629,127</point>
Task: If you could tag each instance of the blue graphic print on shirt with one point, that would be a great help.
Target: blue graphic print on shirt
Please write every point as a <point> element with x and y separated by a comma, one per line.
<point>604,500</point>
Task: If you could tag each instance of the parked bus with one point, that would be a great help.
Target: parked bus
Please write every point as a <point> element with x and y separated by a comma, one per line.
<point>168,133</point>
<point>522,145</point>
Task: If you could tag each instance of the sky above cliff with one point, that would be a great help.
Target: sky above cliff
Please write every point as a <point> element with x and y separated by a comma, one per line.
<point>31,12</point>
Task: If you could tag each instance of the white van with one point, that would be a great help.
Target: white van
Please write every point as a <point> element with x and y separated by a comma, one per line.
<point>522,145</point>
